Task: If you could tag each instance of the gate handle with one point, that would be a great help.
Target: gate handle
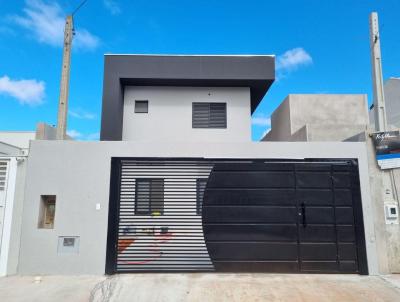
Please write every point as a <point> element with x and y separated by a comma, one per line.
<point>303,214</point>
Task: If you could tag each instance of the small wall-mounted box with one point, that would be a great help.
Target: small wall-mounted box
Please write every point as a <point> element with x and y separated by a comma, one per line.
<point>391,214</point>
<point>68,245</point>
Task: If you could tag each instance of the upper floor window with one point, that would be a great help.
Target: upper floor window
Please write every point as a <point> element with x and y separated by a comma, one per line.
<point>209,115</point>
<point>141,106</point>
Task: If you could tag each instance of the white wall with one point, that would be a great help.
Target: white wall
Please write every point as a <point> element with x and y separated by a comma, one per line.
<point>79,174</point>
<point>19,139</point>
<point>170,114</point>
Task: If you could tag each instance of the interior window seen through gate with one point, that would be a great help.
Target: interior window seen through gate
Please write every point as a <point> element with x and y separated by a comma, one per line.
<point>200,186</point>
<point>149,196</point>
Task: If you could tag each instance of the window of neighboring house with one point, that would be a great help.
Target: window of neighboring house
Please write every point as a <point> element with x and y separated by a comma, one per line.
<point>141,106</point>
<point>149,196</point>
<point>208,115</point>
<point>3,174</point>
<point>200,187</point>
<point>47,211</point>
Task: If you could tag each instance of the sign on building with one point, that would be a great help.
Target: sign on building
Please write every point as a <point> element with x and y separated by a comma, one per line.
<point>387,148</point>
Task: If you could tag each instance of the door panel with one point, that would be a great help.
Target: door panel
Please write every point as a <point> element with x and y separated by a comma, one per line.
<point>300,216</point>
<point>249,214</point>
<point>344,215</point>
<point>320,233</point>
<point>321,197</point>
<point>251,179</point>
<point>253,251</point>
<point>279,197</point>
<point>319,215</point>
<point>345,233</point>
<point>251,232</point>
<point>318,251</point>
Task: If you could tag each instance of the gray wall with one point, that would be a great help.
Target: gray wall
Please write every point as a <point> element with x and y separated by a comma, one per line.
<point>392,102</point>
<point>280,122</point>
<point>78,173</point>
<point>386,236</point>
<point>170,114</point>
<point>323,117</point>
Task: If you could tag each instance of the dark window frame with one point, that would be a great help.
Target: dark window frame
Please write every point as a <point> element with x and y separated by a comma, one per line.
<point>154,205</point>
<point>141,102</point>
<point>207,115</point>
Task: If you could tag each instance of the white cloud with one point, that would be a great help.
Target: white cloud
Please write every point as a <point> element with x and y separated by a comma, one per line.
<point>76,135</point>
<point>93,136</point>
<point>293,59</point>
<point>29,92</point>
<point>81,114</point>
<point>112,6</point>
<point>84,39</point>
<point>261,120</point>
<point>45,21</point>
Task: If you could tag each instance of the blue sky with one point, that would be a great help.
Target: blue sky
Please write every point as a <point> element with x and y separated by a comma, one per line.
<point>321,47</point>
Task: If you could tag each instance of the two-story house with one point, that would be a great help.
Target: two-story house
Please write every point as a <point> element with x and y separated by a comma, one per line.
<point>175,184</point>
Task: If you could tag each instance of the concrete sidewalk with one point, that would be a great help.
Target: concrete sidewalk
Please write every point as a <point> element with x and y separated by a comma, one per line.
<point>202,287</point>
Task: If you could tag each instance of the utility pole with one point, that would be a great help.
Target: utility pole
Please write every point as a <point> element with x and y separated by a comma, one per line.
<point>389,182</point>
<point>379,97</point>
<point>65,75</point>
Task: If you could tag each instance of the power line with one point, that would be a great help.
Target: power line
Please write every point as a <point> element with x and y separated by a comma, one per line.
<point>79,6</point>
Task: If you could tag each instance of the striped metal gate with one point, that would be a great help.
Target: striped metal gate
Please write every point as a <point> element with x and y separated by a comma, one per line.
<point>180,215</point>
<point>160,216</point>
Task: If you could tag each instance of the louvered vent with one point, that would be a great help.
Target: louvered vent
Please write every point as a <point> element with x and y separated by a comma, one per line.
<point>3,175</point>
<point>209,115</point>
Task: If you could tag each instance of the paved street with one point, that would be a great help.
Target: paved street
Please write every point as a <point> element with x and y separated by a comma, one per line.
<point>202,287</point>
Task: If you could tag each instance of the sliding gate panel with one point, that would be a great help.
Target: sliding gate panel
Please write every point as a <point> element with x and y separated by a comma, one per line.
<point>160,216</point>
<point>172,215</point>
<point>250,217</point>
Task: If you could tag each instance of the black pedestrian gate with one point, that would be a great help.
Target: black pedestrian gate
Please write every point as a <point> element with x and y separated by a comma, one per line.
<point>242,215</point>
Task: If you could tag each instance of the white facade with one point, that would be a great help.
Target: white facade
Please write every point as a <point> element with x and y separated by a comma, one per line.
<point>169,117</point>
<point>14,148</point>
<point>8,171</point>
<point>18,139</point>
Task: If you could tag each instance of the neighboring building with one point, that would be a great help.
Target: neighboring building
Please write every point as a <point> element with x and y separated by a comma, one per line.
<point>319,117</point>
<point>14,151</point>
<point>19,139</point>
<point>175,184</point>
<point>12,181</point>
<point>392,103</point>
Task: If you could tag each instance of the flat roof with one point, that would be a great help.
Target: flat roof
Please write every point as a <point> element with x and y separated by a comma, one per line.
<point>254,71</point>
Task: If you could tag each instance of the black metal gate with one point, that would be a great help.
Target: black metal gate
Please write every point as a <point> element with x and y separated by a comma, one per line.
<point>235,215</point>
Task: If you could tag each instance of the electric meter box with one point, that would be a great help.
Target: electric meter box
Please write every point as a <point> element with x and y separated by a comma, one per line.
<point>391,214</point>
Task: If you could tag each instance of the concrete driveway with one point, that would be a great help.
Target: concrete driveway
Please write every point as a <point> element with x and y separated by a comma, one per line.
<point>202,287</point>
